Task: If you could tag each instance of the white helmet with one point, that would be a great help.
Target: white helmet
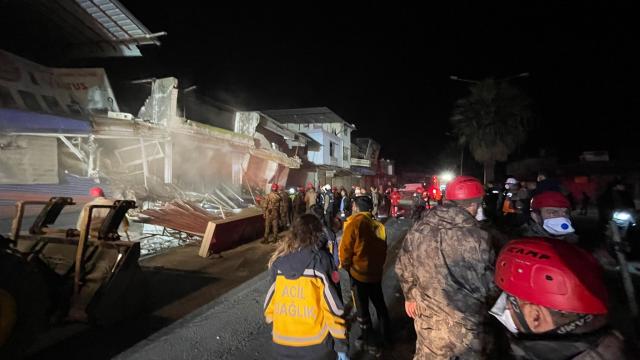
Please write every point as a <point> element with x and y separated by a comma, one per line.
<point>511,181</point>
<point>327,187</point>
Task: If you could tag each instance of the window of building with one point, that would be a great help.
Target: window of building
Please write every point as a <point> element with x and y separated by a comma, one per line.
<point>30,100</point>
<point>6,98</point>
<point>332,149</point>
<point>52,103</point>
<point>345,153</point>
<point>33,78</point>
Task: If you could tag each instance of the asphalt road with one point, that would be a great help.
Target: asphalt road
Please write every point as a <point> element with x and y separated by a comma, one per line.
<point>233,327</point>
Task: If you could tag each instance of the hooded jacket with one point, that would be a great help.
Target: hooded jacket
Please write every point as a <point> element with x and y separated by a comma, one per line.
<point>363,247</point>
<point>304,307</point>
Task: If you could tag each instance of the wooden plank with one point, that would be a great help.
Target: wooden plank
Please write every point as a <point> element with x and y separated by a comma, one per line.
<point>226,234</point>
<point>207,239</point>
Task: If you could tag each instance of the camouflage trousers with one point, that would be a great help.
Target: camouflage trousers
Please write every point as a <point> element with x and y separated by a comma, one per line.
<point>444,339</point>
<point>271,226</point>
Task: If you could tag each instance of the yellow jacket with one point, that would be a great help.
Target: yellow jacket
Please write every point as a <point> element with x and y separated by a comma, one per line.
<point>363,247</point>
<point>304,306</point>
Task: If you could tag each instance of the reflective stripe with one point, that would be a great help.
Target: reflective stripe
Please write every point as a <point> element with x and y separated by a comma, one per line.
<point>338,333</point>
<point>327,292</point>
<point>302,341</point>
<point>272,289</point>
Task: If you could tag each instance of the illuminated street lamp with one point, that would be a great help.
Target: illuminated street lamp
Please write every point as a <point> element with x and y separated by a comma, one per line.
<point>446,176</point>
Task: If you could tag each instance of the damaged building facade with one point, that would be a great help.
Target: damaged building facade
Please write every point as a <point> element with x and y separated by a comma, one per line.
<point>193,166</point>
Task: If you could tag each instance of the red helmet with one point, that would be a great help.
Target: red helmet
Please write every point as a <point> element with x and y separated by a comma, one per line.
<point>464,188</point>
<point>300,189</point>
<point>550,199</point>
<point>309,185</point>
<point>96,192</point>
<point>552,273</point>
<point>274,187</point>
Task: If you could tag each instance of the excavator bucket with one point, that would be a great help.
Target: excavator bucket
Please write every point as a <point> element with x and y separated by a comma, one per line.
<point>95,275</point>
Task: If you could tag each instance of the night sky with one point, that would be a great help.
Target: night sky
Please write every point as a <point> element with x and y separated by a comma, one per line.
<point>386,69</point>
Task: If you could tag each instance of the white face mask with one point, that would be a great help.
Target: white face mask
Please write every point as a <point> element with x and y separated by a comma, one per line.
<point>480,214</point>
<point>500,311</point>
<point>558,226</point>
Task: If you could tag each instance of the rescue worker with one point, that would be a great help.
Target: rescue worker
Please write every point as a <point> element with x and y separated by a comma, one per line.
<point>419,203</point>
<point>327,204</point>
<point>345,205</point>
<point>271,206</point>
<point>101,268</point>
<point>426,198</point>
<point>337,198</point>
<point>303,303</point>
<point>445,269</point>
<point>395,202</point>
<point>285,209</point>
<point>375,199</point>
<point>298,205</point>
<point>362,252</point>
<point>554,302</point>
<point>433,192</point>
<point>310,196</point>
<point>550,212</point>
<point>97,215</point>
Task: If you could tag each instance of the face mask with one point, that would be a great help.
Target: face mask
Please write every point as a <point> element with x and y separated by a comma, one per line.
<point>480,214</point>
<point>558,226</point>
<point>500,312</point>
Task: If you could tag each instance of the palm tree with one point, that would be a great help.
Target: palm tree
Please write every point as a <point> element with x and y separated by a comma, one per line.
<point>493,120</point>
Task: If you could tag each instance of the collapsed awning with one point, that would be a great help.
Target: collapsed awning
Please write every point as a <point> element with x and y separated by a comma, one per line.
<point>20,122</point>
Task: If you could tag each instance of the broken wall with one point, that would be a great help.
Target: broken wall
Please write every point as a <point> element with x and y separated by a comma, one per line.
<point>28,160</point>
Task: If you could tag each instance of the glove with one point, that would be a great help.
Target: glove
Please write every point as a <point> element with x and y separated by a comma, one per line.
<point>343,356</point>
<point>410,308</point>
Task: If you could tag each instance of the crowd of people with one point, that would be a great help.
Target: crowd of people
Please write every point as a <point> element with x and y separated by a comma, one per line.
<point>282,207</point>
<point>459,280</point>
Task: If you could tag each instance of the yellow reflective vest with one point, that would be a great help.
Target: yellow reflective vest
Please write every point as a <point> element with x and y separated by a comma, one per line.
<point>303,303</point>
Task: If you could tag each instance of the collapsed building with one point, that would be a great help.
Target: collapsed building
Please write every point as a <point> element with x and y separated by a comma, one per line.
<point>63,131</point>
<point>194,166</point>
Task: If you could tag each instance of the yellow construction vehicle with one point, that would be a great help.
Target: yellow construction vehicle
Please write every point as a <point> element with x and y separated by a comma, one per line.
<point>49,276</point>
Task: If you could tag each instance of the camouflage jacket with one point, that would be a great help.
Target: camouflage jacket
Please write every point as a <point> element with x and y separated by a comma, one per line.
<point>602,345</point>
<point>298,204</point>
<point>271,204</point>
<point>285,202</point>
<point>446,266</point>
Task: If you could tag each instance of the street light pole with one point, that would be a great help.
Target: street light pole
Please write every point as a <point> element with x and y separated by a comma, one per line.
<point>457,78</point>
